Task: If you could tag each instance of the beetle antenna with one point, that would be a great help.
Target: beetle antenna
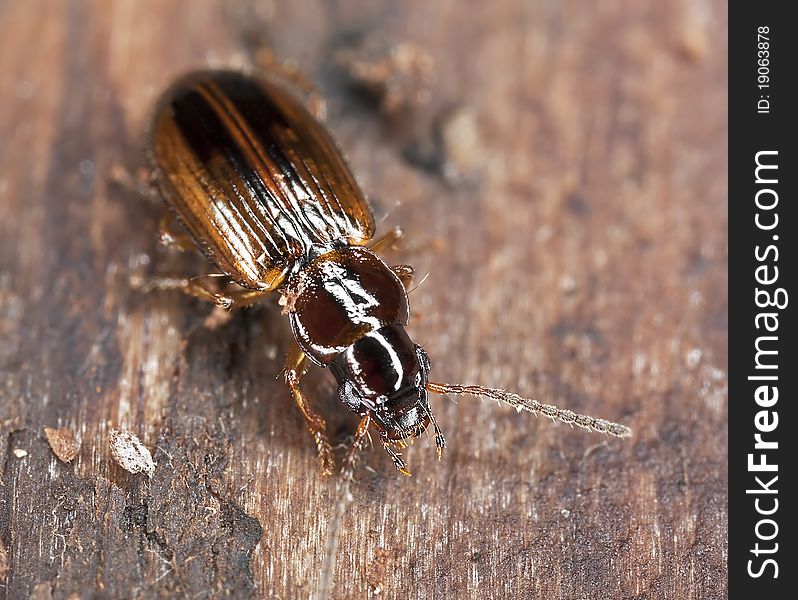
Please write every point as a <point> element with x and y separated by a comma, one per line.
<point>520,403</point>
<point>419,284</point>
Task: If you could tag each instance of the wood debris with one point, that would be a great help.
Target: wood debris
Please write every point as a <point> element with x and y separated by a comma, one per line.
<point>130,453</point>
<point>396,75</point>
<point>63,444</point>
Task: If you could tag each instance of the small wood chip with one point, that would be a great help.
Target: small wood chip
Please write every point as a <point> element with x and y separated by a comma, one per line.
<point>62,443</point>
<point>20,453</point>
<point>128,451</point>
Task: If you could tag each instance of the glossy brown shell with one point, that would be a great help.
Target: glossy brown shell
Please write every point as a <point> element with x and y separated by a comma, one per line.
<point>341,296</point>
<point>255,179</point>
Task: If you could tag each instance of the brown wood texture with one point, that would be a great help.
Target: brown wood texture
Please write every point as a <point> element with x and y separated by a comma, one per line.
<point>584,263</point>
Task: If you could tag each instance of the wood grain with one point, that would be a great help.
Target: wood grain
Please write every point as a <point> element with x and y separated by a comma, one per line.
<point>585,264</point>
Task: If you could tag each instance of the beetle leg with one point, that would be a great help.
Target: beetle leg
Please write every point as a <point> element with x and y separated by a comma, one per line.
<point>221,290</point>
<point>357,445</point>
<point>387,241</point>
<point>440,441</point>
<point>405,274</point>
<point>394,240</point>
<point>288,72</point>
<point>233,300</point>
<point>292,372</point>
<point>140,183</point>
<point>397,459</point>
<point>172,236</point>
<point>204,287</point>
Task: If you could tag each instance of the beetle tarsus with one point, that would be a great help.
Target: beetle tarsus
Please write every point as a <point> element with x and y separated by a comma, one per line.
<point>318,429</point>
<point>171,236</point>
<point>440,444</point>
<point>388,241</point>
<point>350,461</point>
<point>203,287</point>
<point>398,462</point>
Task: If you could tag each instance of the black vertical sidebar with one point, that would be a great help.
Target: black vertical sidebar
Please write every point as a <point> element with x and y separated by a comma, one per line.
<point>763,61</point>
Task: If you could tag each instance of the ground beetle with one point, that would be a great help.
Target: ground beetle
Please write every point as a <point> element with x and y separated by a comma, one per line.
<point>261,189</point>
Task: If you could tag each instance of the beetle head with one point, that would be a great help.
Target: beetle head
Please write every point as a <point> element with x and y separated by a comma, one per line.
<point>384,375</point>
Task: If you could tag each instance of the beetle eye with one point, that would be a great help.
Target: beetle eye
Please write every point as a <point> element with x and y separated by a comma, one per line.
<point>348,396</point>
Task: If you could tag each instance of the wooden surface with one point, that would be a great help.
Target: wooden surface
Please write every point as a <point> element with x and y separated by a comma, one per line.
<point>584,263</point>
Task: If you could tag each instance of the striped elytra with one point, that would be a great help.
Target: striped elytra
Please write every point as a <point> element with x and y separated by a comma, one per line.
<point>254,178</point>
